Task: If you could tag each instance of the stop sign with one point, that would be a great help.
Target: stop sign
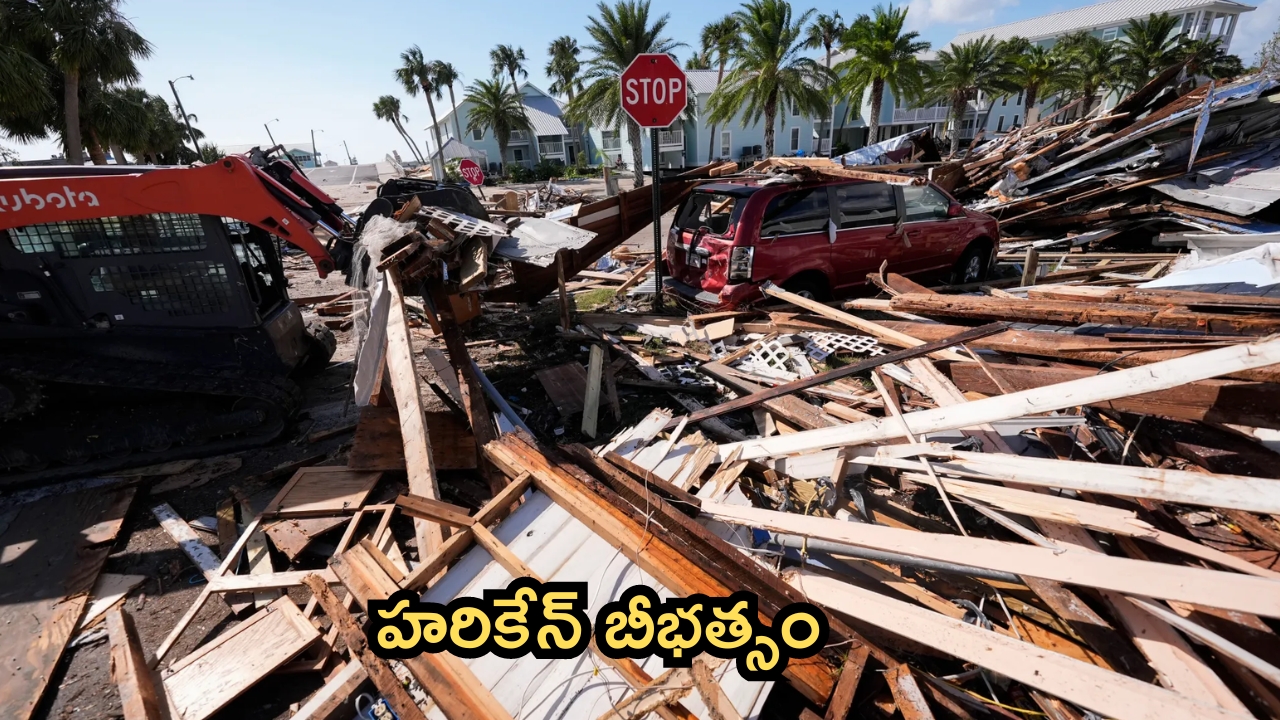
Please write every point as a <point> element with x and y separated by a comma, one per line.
<point>471,172</point>
<point>653,90</point>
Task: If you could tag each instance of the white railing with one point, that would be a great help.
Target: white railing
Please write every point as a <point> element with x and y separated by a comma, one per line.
<point>611,142</point>
<point>671,138</point>
<point>520,136</point>
<point>821,147</point>
<point>522,163</point>
<point>554,147</point>
<point>919,115</point>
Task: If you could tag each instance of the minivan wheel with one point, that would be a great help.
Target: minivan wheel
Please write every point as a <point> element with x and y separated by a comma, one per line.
<point>807,288</point>
<point>972,265</point>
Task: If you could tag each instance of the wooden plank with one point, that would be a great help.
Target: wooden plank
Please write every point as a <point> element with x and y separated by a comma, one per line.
<point>381,559</point>
<point>591,403</point>
<point>358,643</point>
<point>139,696</point>
<point>1029,267</point>
<point>566,385</point>
<point>1107,693</point>
<point>1100,388</point>
<point>636,277</point>
<point>566,316</point>
<point>435,510</point>
<point>875,329</point>
<point>322,491</point>
<point>255,583</point>
<point>850,673</point>
<point>378,444</point>
<point>258,558</point>
<point>190,543</point>
<point>413,425</point>
<point>906,693</point>
<point>1068,565</point>
<point>846,371</point>
<point>292,536</point>
<point>108,591</point>
<point>227,530</point>
<point>206,680</point>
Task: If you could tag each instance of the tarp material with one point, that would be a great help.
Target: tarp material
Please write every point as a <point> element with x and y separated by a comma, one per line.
<point>878,154</point>
<point>537,240</point>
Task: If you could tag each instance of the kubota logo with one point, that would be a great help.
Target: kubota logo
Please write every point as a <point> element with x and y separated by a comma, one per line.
<point>54,200</point>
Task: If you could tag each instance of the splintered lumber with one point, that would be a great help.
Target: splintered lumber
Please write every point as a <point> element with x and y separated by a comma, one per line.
<point>875,329</point>
<point>215,674</point>
<point>1166,485</point>
<point>435,510</point>
<point>1079,313</point>
<point>591,404</point>
<point>361,656</point>
<point>138,693</point>
<point>190,543</point>
<point>1108,693</point>
<point>788,407</point>
<point>1089,349</point>
<point>1085,391</point>
<point>1214,401</point>
<point>847,685</point>
<point>449,681</point>
<point>1153,296</point>
<point>756,398</point>
<point>1066,564</point>
<point>322,491</point>
<point>378,444</point>
<point>669,687</point>
<point>413,424</point>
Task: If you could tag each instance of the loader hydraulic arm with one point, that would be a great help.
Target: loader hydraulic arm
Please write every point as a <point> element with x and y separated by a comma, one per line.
<point>230,187</point>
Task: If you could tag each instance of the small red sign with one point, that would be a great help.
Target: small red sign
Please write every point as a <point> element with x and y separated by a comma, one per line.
<point>471,172</point>
<point>654,90</point>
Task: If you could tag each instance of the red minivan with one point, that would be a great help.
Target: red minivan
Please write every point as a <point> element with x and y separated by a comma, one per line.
<point>820,239</point>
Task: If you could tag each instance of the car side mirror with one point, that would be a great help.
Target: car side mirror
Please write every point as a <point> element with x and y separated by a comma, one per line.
<point>955,210</point>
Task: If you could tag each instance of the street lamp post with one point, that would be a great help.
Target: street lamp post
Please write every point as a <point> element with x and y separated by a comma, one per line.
<point>348,152</point>
<point>266,127</point>
<point>315,155</point>
<point>185,119</point>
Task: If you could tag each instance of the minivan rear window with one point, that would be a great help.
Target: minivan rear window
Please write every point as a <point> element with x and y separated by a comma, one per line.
<point>715,211</point>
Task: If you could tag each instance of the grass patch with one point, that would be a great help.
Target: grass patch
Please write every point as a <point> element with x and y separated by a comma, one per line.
<point>593,299</point>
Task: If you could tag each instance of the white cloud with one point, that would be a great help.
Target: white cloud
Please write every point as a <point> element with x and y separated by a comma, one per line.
<point>970,13</point>
<point>1254,29</point>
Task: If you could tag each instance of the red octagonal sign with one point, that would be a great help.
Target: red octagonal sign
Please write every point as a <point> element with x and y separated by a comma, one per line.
<point>653,90</point>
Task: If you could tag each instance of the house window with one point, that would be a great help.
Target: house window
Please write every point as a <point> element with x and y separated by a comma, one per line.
<point>518,154</point>
<point>1110,34</point>
<point>795,139</point>
<point>726,144</point>
<point>609,140</point>
<point>1000,124</point>
<point>1018,102</point>
<point>1004,100</point>
<point>477,134</point>
<point>795,110</point>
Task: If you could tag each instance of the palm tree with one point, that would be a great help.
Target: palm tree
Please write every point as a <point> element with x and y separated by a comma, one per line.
<point>721,38</point>
<point>1039,73</point>
<point>387,108</point>
<point>823,34</point>
<point>699,61</point>
<point>446,76</point>
<point>510,60</point>
<point>417,73</point>
<point>1149,46</point>
<point>965,71</point>
<point>111,117</point>
<point>619,33</point>
<point>86,40</point>
<point>1207,58</point>
<point>1090,65</point>
<point>564,70</point>
<point>768,70</point>
<point>498,109</point>
<point>883,56</point>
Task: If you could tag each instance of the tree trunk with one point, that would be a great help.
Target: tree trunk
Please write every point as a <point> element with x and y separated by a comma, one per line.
<point>407,140</point>
<point>877,102</point>
<point>1029,105</point>
<point>634,134</point>
<point>435,126</point>
<point>831,116</point>
<point>711,147</point>
<point>770,123</point>
<point>502,157</point>
<point>118,153</point>
<point>96,154</point>
<point>457,128</point>
<point>514,87</point>
<point>74,146</point>
<point>957,115</point>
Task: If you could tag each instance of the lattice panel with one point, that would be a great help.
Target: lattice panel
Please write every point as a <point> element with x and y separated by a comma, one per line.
<point>685,374</point>
<point>822,345</point>
<point>465,224</point>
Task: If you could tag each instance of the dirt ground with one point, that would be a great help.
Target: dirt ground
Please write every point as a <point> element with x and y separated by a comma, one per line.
<point>510,346</point>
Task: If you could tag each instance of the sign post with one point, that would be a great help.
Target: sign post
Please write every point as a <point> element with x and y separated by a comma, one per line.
<point>654,93</point>
<point>471,171</point>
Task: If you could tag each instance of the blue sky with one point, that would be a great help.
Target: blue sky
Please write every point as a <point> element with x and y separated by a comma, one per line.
<point>321,64</point>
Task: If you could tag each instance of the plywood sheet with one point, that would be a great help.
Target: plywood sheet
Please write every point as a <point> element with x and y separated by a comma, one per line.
<point>566,385</point>
<point>293,535</point>
<point>378,445</point>
<point>47,568</point>
<point>203,682</point>
<point>318,491</point>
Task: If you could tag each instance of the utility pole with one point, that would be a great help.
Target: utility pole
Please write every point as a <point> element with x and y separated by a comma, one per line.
<point>183,112</point>
<point>315,155</point>
<point>348,152</point>
<point>266,127</point>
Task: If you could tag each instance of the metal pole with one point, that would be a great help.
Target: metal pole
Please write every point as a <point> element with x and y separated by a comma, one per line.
<point>348,152</point>
<point>185,119</point>
<point>315,156</point>
<point>266,126</point>
<point>657,223</point>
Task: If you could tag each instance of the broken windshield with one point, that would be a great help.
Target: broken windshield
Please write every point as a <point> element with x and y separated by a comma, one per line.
<point>715,211</point>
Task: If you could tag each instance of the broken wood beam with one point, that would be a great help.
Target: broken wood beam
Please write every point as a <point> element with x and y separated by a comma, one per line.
<point>140,696</point>
<point>795,386</point>
<point>435,510</point>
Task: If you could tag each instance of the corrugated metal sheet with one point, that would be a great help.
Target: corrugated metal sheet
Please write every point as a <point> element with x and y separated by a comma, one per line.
<point>703,82</point>
<point>1101,15</point>
<point>544,113</point>
<point>559,548</point>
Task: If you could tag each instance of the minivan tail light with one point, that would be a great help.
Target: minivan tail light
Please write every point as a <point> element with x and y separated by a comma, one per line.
<point>740,263</point>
